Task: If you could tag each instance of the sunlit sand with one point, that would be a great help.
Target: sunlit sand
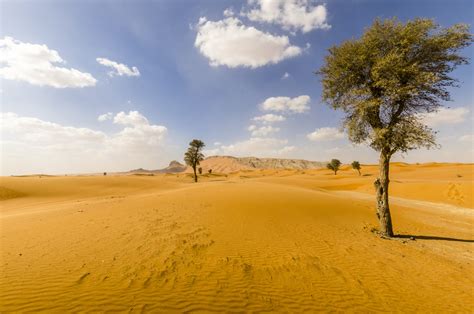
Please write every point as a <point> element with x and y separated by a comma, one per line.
<point>253,240</point>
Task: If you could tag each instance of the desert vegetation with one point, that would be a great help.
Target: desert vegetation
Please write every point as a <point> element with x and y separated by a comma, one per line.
<point>194,156</point>
<point>385,80</point>
<point>334,165</point>
<point>356,166</point>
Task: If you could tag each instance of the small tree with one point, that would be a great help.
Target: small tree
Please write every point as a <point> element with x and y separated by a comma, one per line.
<point>334,165</point>
<point>385,81</point>
<point>210,171</point>
<point>200,170</point>
<point>356,166</point>
<point>194,155</point>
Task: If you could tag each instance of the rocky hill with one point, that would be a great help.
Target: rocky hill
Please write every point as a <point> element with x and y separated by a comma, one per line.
<point>173,167</point>
<point>226,164</point>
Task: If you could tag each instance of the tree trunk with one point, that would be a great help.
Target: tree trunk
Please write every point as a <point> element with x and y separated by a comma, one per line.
<point>195,175</point>
<point>358,171</point>
<point>335,172</point>
<point>381,188</point>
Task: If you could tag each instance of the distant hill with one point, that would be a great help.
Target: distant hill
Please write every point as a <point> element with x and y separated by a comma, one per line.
<point>173,167</point>
<point>226,164</point>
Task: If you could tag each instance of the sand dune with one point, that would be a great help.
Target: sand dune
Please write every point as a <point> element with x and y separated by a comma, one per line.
<point>252,240</point>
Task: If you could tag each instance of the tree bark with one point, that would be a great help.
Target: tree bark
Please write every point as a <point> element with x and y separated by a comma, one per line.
<point>195,175</point>
<point>381,188</point>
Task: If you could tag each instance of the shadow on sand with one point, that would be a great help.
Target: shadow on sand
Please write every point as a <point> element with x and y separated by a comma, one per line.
<point>422,237</point>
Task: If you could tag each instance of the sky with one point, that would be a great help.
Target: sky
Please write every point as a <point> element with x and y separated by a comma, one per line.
<point>92,86</point>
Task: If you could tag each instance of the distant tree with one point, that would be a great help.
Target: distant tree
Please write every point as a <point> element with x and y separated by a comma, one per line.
<point>385,81</point>
<point>200,170</point>
<point>194,155</point>
<point>334,165</point>
<point>105,173</point>
<point>210,171</point>
<point>356,166</point>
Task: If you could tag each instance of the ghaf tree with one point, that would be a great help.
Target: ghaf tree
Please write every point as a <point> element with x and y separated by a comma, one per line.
<point>356,166</point>
<point>194,155</point>
<point>334,165</point>
<point>385,81</point>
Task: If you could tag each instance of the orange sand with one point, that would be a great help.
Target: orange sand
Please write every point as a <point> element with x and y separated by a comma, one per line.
<point>263,240</point>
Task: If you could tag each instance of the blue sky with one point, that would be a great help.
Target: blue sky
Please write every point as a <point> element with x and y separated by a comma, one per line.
<point>180,89</point>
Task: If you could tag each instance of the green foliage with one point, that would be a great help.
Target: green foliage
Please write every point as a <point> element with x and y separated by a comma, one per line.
<point>194,155</point>
<point>387,79</point>
<point>356,166</point>
<point>334,165</point>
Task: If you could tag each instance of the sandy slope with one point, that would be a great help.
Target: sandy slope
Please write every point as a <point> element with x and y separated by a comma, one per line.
<point>267,240</point>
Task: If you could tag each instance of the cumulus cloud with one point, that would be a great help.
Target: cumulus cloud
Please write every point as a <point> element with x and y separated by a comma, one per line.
<point>38,65</point>
<point>133,118</point>
<point>105,116</point>
<point>445,116</point>
<point>292,15</point>
<point>263,130</point>
<point>285,76</point>
<point>252,127</point>
<point>229,42</point>
<point>34,145</point>
<point>228,12</point>
<point>298,104</point>
<point>269,118</point>
<point>325,134</point>
<point>257,147</point>
<point>118,69</point>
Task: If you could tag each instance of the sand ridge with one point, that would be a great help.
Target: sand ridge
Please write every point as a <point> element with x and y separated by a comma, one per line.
<point>260,240</point>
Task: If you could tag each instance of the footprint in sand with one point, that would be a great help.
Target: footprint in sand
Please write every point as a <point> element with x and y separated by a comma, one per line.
<point>454,194</point>
<point>81,279</point>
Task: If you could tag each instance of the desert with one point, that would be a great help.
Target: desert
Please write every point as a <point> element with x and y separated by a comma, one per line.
<point>259,240</point>
<point>236,156</point>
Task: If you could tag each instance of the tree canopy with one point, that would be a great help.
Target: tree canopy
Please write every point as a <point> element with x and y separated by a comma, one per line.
<point>194,155</point>
<point>334,165</point>
<point>387,79</point>
<point>356,166</point>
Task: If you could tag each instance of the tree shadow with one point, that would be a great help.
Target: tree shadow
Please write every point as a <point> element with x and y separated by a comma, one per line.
<point>422,237</point>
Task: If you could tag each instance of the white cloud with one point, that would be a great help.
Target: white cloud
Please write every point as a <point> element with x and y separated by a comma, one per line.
<point>263,130</point>
<point>292,15</point>
<point>133,118</point>
<point>325,134</point>
<point>105,116</point>
<point>286,104</point>
<point>285,76</point>
<point>269,118</point>
<point>37,65</point>
<point>119,69</point>
<point>252,127</point>
<point>228,42</point>
<point>34,145</point>
<point>229,12</point>
<point>256,146</point>
<point>217,143</point>
<point>445,116</point>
